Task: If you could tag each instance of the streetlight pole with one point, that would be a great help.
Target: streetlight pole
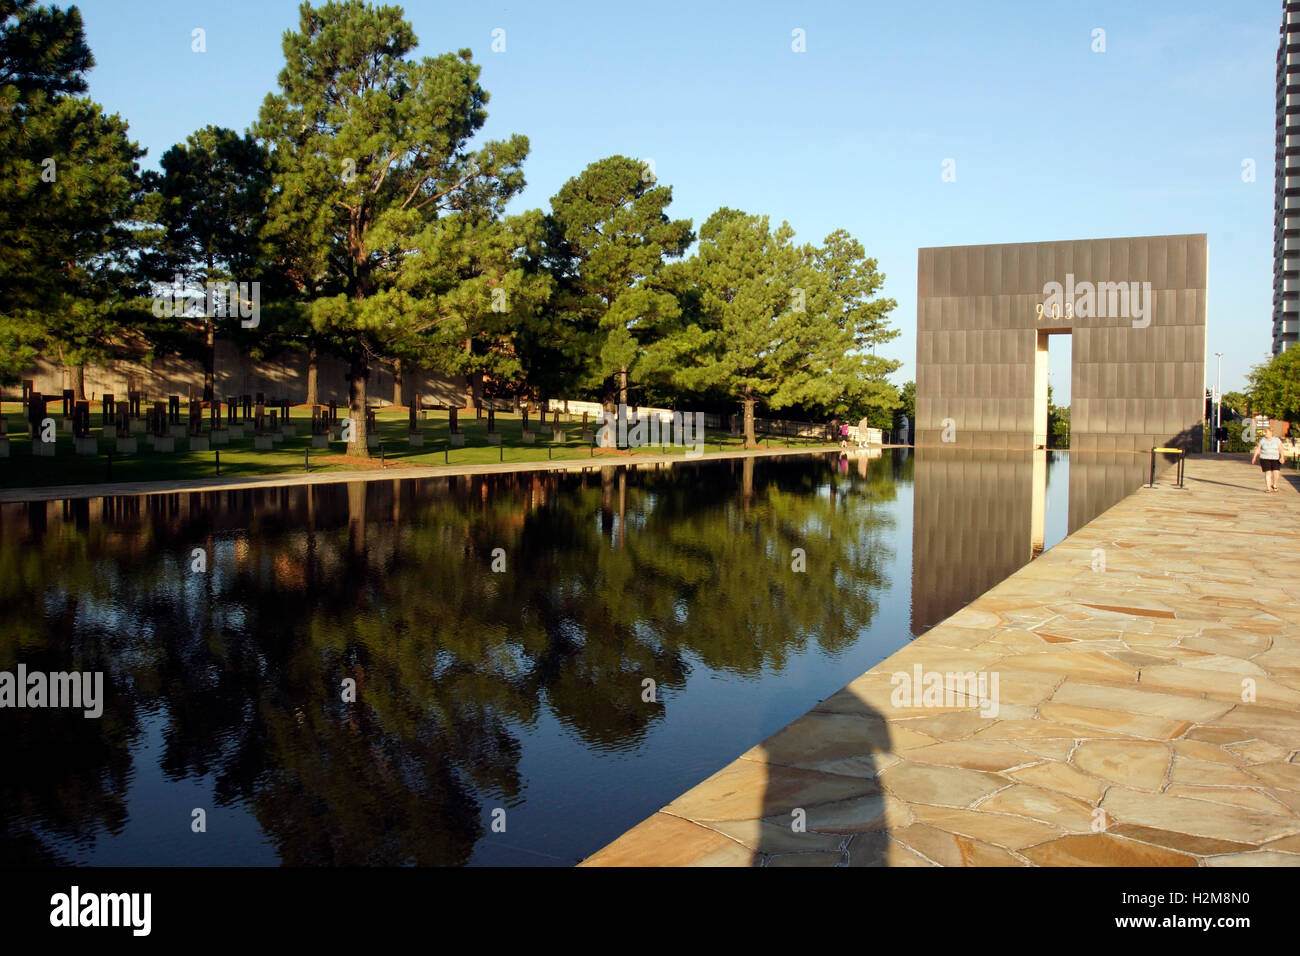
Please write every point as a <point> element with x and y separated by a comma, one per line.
<point>1218,400</point>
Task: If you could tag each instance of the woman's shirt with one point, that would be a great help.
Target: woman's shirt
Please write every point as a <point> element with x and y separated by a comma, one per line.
<point>1270,449</point>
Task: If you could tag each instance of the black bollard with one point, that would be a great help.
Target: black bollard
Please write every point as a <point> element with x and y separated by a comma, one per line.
<point>218,451</point>
<point>306,459</point>
<point>502,449</point>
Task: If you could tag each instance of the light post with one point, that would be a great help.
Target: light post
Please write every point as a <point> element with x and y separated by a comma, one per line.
<point>1218,400</point>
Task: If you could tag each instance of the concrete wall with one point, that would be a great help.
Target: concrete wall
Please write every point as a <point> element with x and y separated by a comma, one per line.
<point>284,376</point>
<point>978,347</point>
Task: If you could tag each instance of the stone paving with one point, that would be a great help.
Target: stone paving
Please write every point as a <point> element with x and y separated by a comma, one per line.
<point>1147,714</point>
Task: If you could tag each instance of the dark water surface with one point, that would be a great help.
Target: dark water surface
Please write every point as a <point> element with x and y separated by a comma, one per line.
<point>478,691</point>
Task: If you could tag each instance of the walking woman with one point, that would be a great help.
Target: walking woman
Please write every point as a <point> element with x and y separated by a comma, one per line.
<point>1268,452</point>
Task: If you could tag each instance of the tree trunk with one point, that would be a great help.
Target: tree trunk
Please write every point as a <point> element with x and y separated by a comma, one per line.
<point>606,499</point>
<point>209,361</point>
<point>357,517</point>
<point>313,392</point>
<point>622,386</point>
<point>358,447</point>
<point>476,392</point>
<point>749,404</point>
<point>469,377</point>
<point>79,379</point>
<point>622,504</point>
<point>397,383</point>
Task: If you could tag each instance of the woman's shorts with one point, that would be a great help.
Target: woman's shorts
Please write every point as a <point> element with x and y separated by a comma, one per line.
<point>1270,464</point>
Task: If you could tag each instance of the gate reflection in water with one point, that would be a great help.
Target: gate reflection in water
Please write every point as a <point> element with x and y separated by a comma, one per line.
<point>982,515</point>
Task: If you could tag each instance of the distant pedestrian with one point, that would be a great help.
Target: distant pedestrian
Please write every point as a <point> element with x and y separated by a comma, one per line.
<point>1268,452</point>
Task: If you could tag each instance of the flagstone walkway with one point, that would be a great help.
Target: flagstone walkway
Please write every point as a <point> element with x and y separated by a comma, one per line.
<point>1148,714</point>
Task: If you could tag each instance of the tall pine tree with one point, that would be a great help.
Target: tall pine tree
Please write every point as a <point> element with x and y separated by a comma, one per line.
<point>69,197</point>
<point>370,149</point>
<point>781,323</point>
<point>610,239</point>
<point>211,199</point>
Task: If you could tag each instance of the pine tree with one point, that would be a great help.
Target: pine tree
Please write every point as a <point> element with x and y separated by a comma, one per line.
<point>610,238</point>
<point>212,194</point>
<point>69,197</point>
<point>370,150</point>
<point>782,323</point>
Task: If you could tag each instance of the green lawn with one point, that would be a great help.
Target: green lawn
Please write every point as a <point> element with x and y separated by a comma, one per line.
<point>22,469</point>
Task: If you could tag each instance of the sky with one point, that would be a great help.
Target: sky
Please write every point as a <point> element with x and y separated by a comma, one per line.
<point>1048,138</point>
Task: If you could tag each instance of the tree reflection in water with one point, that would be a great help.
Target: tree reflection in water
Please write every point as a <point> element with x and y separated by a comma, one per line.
<point>611,577</point>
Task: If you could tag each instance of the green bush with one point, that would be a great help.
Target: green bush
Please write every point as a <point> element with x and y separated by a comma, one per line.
<point>1235,442</point>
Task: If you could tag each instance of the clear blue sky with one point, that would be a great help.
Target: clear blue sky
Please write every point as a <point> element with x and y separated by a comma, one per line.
<point>1050,140</point>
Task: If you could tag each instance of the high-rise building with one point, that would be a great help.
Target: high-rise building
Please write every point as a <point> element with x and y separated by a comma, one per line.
<point>1286,198</point>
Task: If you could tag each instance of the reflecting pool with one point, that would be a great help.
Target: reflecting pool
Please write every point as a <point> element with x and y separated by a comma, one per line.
<point>508,669</point>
